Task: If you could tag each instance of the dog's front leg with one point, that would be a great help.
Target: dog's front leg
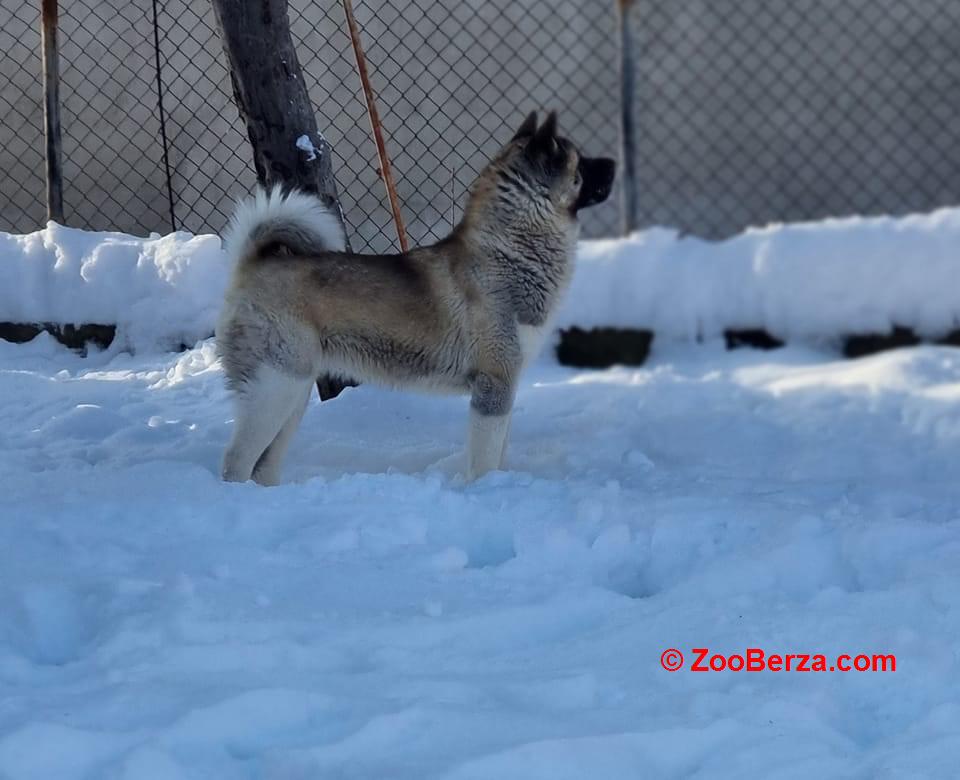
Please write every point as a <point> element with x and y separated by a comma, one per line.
<point>490,405</point>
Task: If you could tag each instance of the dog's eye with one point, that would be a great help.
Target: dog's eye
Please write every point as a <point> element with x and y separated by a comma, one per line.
<point>577,181</point>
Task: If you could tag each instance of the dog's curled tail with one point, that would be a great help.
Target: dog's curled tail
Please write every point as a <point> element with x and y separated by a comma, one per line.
<point>295,220</point>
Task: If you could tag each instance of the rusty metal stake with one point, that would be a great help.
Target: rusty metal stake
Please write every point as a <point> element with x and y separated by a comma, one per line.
<point>51,109</point>
<point>385,169</point>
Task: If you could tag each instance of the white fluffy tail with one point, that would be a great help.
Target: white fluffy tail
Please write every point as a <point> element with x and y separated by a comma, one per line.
<point>296,220</point>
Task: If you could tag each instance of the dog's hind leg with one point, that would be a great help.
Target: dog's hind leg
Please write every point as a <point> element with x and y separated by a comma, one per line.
<point>267,469</point>
<point>264,404</point>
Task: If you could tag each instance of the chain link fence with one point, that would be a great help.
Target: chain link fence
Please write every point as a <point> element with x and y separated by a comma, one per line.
<point>752,111</point>
<point>453,79</point>
<point>744,111</point>
<point>21,118</point>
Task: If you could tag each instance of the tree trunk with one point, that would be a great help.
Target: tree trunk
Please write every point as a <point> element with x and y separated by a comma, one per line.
<point>273,102</point>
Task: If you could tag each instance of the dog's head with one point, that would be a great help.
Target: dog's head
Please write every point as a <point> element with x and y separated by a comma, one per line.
<point>542,163</point>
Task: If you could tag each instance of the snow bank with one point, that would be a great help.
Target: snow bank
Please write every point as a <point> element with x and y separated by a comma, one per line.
<point>158,291</point>
<point>814,280</point>
<point>805,280</point>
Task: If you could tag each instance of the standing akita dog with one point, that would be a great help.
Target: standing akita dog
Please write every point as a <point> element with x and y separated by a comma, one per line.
<point>463,315</point>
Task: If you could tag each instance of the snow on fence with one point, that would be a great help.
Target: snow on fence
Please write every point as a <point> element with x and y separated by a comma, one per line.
<point>817,281</point>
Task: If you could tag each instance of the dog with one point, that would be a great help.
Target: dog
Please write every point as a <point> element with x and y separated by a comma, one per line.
<point>463,315</point>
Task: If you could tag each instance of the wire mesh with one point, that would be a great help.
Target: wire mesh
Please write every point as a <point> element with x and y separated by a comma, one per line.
<point>210,157</point>
<point>746,111</point>
<point>452,78</point>
<point>112,158</point>
<point>752,111</point>
<point>21,118</point>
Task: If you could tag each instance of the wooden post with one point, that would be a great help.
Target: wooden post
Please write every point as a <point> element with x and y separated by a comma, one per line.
<point>628,129</point>
<point>273,101</point>
<point>272,97</point>
<point>386,171</point>
<point>51,109</point>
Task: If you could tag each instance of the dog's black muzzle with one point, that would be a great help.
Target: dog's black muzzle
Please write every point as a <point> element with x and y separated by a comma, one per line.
<point>597,174</point>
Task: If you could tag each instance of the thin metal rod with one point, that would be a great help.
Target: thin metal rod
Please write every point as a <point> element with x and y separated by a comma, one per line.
<point>385,170</point>
<point>163,115</point>
<point>628,130</point>
<point>51,109</point>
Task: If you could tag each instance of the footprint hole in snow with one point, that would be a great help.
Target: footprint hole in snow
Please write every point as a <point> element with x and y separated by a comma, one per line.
<point>53,625</point>
<point>490,552</point>
<point>629,581</point>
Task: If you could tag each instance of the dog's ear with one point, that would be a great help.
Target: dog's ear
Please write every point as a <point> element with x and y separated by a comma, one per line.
<point>544,141</point>
<point>528,128</point>
<point>548,130</point>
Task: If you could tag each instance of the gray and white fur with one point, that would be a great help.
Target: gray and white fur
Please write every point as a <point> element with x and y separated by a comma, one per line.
<point>463,315</point>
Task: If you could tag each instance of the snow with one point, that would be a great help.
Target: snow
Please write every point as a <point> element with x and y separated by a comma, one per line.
<point>803,282</point>
<point>304,144</point>
<point>159,291</point>
<point>374,616</point>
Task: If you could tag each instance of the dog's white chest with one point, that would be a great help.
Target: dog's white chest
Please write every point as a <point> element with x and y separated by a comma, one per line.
<point>531,341</point>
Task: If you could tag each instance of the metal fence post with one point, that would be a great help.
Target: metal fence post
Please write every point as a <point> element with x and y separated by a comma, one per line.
<point>627,127</point>
<point>163,116</point>
<point>51,109</point>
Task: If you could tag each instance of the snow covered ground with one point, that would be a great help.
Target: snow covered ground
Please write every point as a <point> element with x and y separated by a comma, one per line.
<point>374,617</point>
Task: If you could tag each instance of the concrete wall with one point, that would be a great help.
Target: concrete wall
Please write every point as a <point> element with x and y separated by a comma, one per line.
<point>21,117</point>
<point>752,111</point>
<point>112,156</point>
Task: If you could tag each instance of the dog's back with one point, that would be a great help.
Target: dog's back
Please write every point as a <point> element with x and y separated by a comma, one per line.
<point>299,304</point>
